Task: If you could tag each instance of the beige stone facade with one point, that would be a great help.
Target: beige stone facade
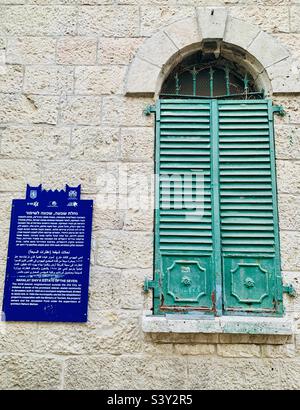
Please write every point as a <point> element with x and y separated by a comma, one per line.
<point>75,76</point>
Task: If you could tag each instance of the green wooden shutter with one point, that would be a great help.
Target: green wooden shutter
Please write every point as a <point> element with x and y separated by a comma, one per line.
<point>223,255</point>
<point>184,235</point>
<point>248,208</point>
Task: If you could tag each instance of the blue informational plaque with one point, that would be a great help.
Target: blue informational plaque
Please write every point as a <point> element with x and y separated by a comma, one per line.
<point>47,274</point>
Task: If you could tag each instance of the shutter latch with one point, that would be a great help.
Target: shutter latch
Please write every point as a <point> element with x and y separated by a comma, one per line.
<point>149,109</point>
<point>289,289</point>
<point>152,284</point>
<point>279,110</point>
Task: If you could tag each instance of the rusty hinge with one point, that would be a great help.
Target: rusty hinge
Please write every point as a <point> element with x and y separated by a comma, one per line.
<point>279,110</point>
<point>152,284</point>
<point>149,109</point>
<point>289,289</point>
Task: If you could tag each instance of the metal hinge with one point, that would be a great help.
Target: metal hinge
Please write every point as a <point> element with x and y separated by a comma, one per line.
<point>289,289</point>
<point>279,110</point>
<point>152,284</point>
<point>149,109</point>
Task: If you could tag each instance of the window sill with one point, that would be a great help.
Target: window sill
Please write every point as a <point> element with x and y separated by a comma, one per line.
<point>224,324</point>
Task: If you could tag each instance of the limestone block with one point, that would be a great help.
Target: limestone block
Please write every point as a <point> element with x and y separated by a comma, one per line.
<point>17,338</point>
<point>285,76</point>
<point>126,112</point>
<point>212,22</point>
<point>81,110</point>
<point>149,49</point>
<point>104,291</point>
<point>229,374</point>
<point>267,50</point>
<point>278,351</point>
<point>165,373</point>
<point>30,20</point>
<point>289,374</point>
<point>195,350</point>
<point>123,249</point>
<point>238,350</point>
<point>27,109</point>
<point>239,32</point>
<point>109,21</point>
<point>11,78</point>
<point>35,142</point>
<point>85,373</point>
<point>132,288</point>
<point>184,32</point>
<point>291,106</point>
<point>117,50</point>
<point>142,78</point>
<point>89,174</point>
<point>30,372</point>
<point>76,50</point>
<point>30,50</point>
<point>105,218</point>
<point>15,174</point>
<point>137,144</point>
<point>95,143</point>
<point>99,80</point>
<point>291,42</point>
<point>290,256</point>
<point>289,211</point>
<point>153,18</point>
<point>287,140</point>
<point>250,339</point>
<point>139,219</point>
<point>48,80</point>
<point>106,332</point>
<point>295,17</point>
<point>288,176</point>
<point>266,16</point>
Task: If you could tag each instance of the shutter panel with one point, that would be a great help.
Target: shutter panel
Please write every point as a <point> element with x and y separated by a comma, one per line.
<point>248,208</point>
<point>184,242</point>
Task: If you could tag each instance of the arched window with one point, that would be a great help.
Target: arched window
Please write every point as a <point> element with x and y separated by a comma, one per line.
<point>216,230</point>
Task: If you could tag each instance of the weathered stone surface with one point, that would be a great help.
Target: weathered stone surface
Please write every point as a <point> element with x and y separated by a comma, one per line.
<point>240,32</point>
<point>30,372</point>
<point>278,351</point>
<point>34,20</point>
<point>123,249</point>
<point>288,176</point>
<point>15,174</point>
<point>117,50</point>
<point>295,16</point>
<point>30,50</point>
<point>37,142</point>
<point>267,17</point>
<point>107,331</point>
<point>139,219</point>
<point>11,79</point>
<point>142,78</point>
<point>289,211</point>
<point>76,50</point>
<point>105,292</point>
<point>125,112</point>
<point>137,144</point>
<point>290,257</point>
<point>267,50</point>
<point>184,32</point>
<point>229,374</point>
<point>290,104</point>
<point>48,80</point>
<point>238,350</point>
<point>17,338</point>
<point>291,42</point>
<point>159,41</point>
<point>195,350</point>
<point>105,218</point>
<point>212,22</point>
<point>89,174</point>
<point>81,110</point>
<point>289,374</point>
<point>95,143</point>
<point>153,17</point>
<point>28,109</point>
<point>287,139</point>
<point>99,80</point>
<point>131,286</point>
<point>109,21</point>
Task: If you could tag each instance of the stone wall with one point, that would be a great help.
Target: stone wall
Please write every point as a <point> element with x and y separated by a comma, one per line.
<point>64,118</point>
